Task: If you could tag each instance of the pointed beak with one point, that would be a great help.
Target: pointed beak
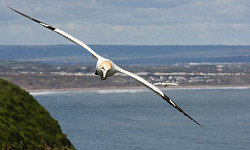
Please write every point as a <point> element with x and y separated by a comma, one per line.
<point>104,75</point>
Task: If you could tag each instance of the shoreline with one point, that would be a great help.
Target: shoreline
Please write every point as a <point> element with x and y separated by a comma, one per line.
<point>136,87</point>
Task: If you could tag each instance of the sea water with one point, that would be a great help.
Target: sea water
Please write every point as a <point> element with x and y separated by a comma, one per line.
<point>140,120</point>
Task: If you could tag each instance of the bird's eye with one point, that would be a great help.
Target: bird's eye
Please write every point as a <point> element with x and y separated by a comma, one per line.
<point>102,67</point>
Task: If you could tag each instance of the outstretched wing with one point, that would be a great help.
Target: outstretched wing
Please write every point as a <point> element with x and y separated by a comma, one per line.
<point>141,80</point>
<point>156,90</point>
<point>64,34</point>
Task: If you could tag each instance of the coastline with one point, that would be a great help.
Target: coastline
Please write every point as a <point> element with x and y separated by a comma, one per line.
<point>136,88</point>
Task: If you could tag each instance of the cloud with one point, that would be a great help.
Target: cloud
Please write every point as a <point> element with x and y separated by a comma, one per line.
<point>130,22</point>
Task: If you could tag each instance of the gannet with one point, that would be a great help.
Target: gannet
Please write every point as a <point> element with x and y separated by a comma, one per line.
<point>166,84</point>
<point>106,68</point>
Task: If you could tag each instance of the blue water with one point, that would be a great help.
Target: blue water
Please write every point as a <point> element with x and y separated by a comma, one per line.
<point>141,120</point>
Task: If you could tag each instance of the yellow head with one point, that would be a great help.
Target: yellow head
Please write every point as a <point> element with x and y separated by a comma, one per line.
<point>105,68</point>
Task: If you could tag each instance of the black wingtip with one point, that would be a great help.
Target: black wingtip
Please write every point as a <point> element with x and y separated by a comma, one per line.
<point>166,98</point>
<point>10,8</point>
<point>37,21</point>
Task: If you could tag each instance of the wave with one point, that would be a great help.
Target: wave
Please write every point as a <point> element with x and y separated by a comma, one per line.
<point>134,90</point>
<point>90,91</point>
<point>208,88</point>
<point>122,91</point>
<point>46,93</point>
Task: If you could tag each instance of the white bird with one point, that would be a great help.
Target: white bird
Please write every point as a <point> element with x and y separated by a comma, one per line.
<point>106,68</point>
<point>166,84</point>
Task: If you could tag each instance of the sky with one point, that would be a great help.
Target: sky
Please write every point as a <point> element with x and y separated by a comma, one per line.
<point>128,22</point>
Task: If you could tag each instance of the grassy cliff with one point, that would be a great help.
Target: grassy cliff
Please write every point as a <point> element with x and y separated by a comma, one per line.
<point>25,124</point>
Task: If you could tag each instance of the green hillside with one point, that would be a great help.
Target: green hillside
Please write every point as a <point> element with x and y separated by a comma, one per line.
<point>25,124</point>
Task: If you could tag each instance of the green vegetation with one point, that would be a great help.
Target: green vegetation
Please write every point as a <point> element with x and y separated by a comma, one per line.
<point>25,124</point>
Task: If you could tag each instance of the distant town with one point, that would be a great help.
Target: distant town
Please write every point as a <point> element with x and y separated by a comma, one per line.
<point>37,76</point>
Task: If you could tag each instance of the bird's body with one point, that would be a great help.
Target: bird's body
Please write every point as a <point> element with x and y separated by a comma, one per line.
<point>106,68</point>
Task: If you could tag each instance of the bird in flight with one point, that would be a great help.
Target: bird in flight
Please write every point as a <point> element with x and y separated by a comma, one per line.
<point>106,68</point>
<point>166,84</point>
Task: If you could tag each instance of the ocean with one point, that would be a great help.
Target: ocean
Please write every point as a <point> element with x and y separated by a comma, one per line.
<point>138,119</point>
